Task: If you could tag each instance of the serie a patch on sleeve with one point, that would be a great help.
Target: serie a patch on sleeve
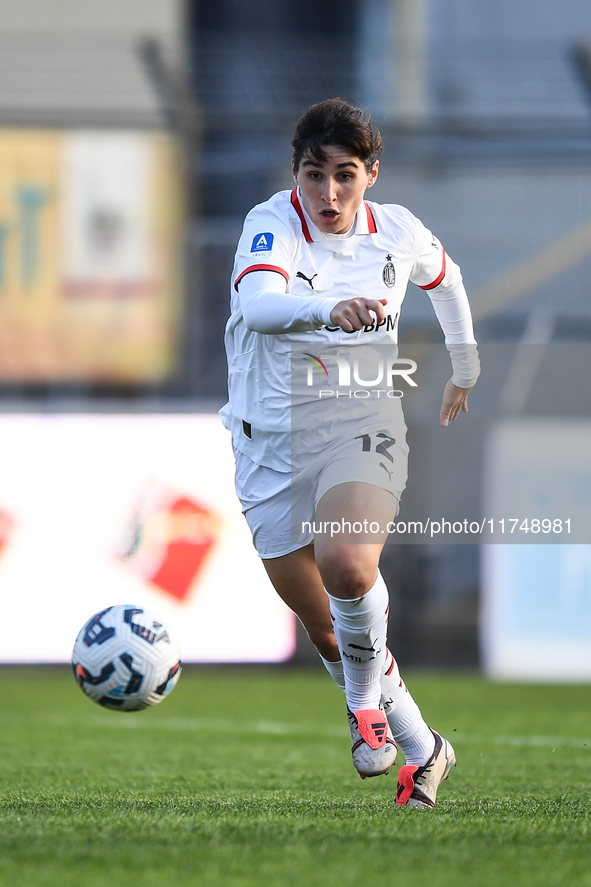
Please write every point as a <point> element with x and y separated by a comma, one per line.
<point>262,243</point>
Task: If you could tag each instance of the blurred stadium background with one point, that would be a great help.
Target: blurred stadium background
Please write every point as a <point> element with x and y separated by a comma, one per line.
<point>134,137</point>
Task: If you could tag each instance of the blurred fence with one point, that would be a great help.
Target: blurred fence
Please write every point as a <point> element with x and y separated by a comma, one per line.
<point>473,82</point>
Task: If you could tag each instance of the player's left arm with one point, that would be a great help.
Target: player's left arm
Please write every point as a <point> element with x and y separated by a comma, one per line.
<point>437,273</point>
<point>455,401</point>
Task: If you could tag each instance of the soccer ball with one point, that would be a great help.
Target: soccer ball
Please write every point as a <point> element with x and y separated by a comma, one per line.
<point>125,659</point>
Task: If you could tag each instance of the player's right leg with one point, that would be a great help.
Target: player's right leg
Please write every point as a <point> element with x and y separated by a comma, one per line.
<point>297,581</point>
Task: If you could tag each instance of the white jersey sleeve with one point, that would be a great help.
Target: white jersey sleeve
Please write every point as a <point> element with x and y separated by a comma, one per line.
<point>262,270</point>
<point>267,308</point>
<point>438,274</point>
<point>267,243</point>
<point>432,269</point>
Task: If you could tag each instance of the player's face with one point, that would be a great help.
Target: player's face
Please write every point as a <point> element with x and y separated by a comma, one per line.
<point>332,190</point>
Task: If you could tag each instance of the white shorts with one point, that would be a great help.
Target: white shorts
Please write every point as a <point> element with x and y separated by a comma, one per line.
<point>277,504</point>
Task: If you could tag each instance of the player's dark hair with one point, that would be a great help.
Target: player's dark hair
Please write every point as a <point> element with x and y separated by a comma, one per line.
<point>336,122</point>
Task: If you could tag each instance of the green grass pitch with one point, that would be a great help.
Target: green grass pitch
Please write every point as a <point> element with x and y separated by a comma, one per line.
<point>244,777</point>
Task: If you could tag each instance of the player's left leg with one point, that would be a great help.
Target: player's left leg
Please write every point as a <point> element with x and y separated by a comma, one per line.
<point>359,605</point>
<point>348,564</point>
<point>358,600</point>
<point>296,579</point>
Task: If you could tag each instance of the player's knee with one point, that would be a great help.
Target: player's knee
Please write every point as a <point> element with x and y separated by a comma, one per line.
<point>344,573</point>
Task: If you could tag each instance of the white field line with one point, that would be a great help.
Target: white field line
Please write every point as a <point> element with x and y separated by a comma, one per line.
<point>142,720</point>
<point>213,724</point>
<point>541,741</point>
<point>279,729</point>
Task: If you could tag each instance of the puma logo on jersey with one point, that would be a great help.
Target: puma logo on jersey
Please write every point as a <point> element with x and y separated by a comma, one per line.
<point>307,279</point>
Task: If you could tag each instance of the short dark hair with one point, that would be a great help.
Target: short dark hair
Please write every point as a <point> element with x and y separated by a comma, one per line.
<point>336,122</point>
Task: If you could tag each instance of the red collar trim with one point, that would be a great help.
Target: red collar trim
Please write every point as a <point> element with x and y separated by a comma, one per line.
<point>297,206</point>
<point>371,222</point>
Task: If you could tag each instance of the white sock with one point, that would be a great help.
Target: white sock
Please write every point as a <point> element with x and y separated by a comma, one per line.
<point>360,629</point>
<point>335,670</point>
<point>411,733</point>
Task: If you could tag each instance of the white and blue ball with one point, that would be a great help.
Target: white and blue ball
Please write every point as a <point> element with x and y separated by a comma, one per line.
<point>125,659</point>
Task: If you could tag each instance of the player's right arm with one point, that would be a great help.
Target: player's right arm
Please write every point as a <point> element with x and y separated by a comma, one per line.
<point>354,314</point>
<point>261,282</point>
<point>262,270</point>
<point>268,308</point>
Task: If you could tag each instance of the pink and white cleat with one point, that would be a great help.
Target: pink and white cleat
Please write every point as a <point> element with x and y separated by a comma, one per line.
<point>417,786</point>
<point>372,745</point>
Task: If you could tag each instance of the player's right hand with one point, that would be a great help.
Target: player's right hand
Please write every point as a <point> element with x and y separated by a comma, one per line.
<point>354,314</point>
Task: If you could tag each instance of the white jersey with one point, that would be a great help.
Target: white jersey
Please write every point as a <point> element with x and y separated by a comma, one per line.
<point>386,247</point>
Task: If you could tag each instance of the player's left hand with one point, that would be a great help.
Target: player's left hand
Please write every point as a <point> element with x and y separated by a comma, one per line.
<point>454,400</point>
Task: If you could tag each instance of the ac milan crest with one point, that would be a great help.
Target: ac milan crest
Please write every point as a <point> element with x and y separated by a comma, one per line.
<point>389,273</point>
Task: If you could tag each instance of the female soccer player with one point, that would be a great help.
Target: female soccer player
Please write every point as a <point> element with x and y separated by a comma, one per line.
<point>320,273</point>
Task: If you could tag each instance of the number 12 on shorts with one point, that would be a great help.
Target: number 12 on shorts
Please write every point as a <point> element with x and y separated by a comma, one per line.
<point>381,447</point>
